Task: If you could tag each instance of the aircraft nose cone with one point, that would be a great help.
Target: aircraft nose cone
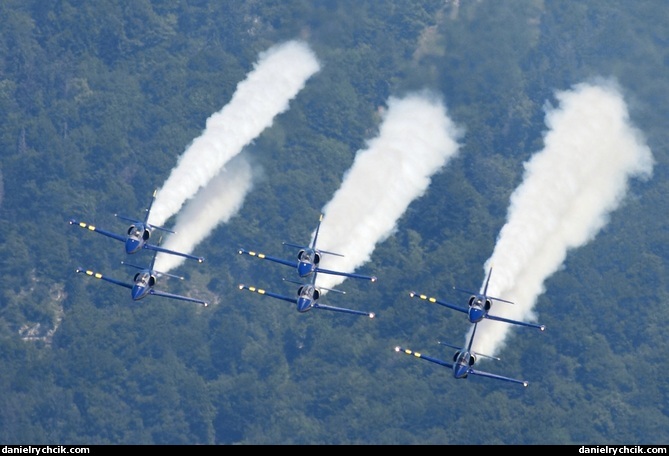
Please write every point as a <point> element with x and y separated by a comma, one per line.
<point>460,371</point>
<point>132,246</point>
<point>303,304</point>
<point>476,314</point>
<point>138,292</point>
<point>304,269</point>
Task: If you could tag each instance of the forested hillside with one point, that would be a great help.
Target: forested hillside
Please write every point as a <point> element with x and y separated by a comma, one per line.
<point>98,102</point>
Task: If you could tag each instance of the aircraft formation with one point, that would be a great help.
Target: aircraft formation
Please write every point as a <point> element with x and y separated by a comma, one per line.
<point>415,115</point>
<point>307,263</point>
<point>478,309</point>
<point>136,240</point>
<point>308,295</point>
<point>307,266</point>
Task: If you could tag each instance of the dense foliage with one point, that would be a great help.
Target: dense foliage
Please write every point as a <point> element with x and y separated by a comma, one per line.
<point>99,99</point>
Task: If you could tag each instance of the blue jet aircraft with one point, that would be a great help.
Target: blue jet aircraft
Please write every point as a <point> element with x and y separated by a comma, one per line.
<point>308,259</point>
<point>479,306</point>
<point>143,283</point>
<point>307,298</point>
<point>138,234</point>
<point>463,362</point>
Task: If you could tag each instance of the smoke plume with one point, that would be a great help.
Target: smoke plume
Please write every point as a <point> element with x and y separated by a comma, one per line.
<point>568,191</point>
<point>214,204</point>
<point>280,73</point>
<point>415,140</point>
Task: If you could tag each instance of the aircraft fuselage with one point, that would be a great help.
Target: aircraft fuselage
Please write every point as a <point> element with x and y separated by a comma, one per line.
<point>138,234</point>
<point>462,365</point>
<point>144,281</point>
<point>307,296</point>
<point>308,262</point>
<point>478,308</point>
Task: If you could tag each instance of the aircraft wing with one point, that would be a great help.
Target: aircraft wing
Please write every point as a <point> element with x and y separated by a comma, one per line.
<point>262,256</point>
<point>425,357</point>
<point>413,294</point>
<point>267,293</point>
<point>173,252</point>
<point>97,230</point>
<point>175,296</point>
<point>97,275</point>
<point>498,377</point>
<point>515,322</point>
<point>344,310</point>
<point>346,274</point>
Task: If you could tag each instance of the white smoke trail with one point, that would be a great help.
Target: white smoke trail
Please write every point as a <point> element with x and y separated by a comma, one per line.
<point>214,204</point>
<point>278,76</point>
<point>568,191</point>
<point>416,139</point>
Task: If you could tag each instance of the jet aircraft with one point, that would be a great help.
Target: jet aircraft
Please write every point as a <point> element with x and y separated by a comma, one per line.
<point>463,362</point>
<point>479,306</point>
<point>138,234</point>
<point>143,282</point>
<point>308,259</point>
<point>307,297</point>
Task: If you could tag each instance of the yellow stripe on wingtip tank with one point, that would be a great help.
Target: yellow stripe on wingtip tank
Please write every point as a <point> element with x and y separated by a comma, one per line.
<point>432,300</point>
<point>261,255</point>
<point>98,275</point>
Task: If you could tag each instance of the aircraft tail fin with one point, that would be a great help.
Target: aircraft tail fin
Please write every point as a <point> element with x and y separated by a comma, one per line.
<point>485,290</point>
<point>471,339</point>
<point>148,213</point>
<point>155,254</point>
<point>318,227</point>
<point>148,209</point>
<point>487,281</point>
<point>313,244</point>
